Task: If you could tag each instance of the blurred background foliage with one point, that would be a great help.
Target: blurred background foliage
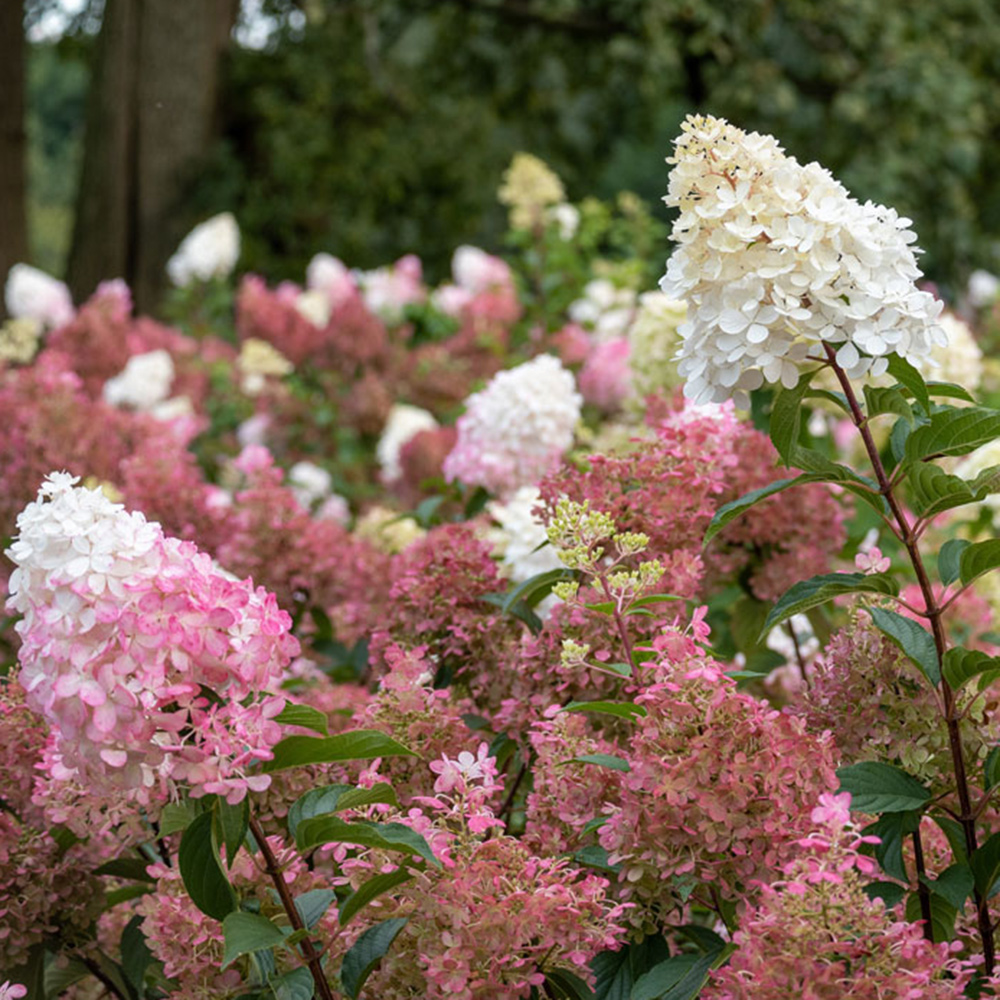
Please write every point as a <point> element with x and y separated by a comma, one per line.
<point>373,128</point>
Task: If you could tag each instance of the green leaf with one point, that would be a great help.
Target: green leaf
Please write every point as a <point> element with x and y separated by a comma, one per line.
<point>246,932</point>
<point>985,862</point>
<point>370,890</point>
<point>388,836</point>
<point>531,591</point>
<point>949,559</point>
<point>359,744</point>
<point>520,611</point>
<point>934,491</point>
<point>678,978</point>
<point>305,716</point>
<point>367,952</point>
<point>336,798</point>
<point>890,893</point>
<point>909,377</point>
<point>642,602</point>
<point>296,984</point>
<point>943,915</point>
<point>991,769</point>
<point>837,398</point>
<point>127,867</point>
<point>961,665</point>
<point>736,508</point>
<point>602,759</point>
<point>892,829</point>
<point>313,904</point>
<point>59,978</point>
<point>953,432</point>
<point>565,985</point>
<point>866,489</point>
<point>977,559</point>
<point>201,870</point>
<point>595,856</point>
<point>916,642</point>
<point>880,400</point>
<point>955,884</point>
<point>955,833</point>
<point>135,953</point>
<point>232,823</point>
<point>820,589</point>
<point>615,972</point>
<point>786,417</point>
<point>880,788</point>
<point>623,709</point>
<point>176,816</point>
<point>950,390</point>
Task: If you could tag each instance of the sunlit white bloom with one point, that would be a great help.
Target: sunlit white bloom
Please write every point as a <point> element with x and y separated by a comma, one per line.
<point>775,259</point>
<point>314,306</point>
<point>477,270</point>
<point>331,276</point>
<point>402,425</point>
<point>143,383</point>
<point>983,288</point>
<point>522,538</point>
<point>309,483</point>
<point>209,251</point>
<point>174,408</point>
<point>566,217</point>
<point>606,309</point>
<point>517,429</point>
<point>33,294</point>
<point>960,360</point>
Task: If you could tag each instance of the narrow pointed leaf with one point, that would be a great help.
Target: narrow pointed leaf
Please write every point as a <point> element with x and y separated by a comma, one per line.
<point>953,432</point>
<point>820,589</point>
<point>736,508</point>
<point>603,760</point>
<point>388,836</point>
<point>908,376</point>
<point>880,400</point>
<point>949,559</point>
<point>201,869</point>
<point>370,890</point>
<point>978,558</point>
<point>623,709</point>
<point>531,591</point>
<point>370,948</point>
<point>943,915</point>
<point>786,417</point>
<point>313,904</point>
<point>359,744</point>
<point>305,716</point>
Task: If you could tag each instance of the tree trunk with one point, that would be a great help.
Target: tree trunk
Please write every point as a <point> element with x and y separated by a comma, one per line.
<point>151,119</point>
<point>13,141</point>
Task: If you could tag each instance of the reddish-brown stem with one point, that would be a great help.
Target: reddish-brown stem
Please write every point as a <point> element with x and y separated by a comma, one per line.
<point>966,816</point>
<point>273,870</point>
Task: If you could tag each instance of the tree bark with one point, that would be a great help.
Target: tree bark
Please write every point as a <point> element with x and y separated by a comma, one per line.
<point>151,119</point>
<point>13,141</point>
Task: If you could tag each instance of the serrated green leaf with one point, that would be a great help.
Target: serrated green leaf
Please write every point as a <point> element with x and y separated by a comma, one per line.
<point>126,867</point>
<point>892,829</point>
<point>370,948</point>
<point>336,798</point>
<point>388,836</point>
<point>977,559</point>
<point>296,984</point>
<point>678,978</point>
<point>943,915</point>
<point>880,400</point>
<point>961,665</point>
<point>201,869</point>
<point>949,559</point>
<point>890,893</point>
<point>313,904</point>
<point>955,884</point>
<point>615,972</point>
<point>910,378</point>
<point>356,798</point>
<point>595,856</point>
<point>820,589</point>
<point>531,591</point>
<point>601,759</point>
<point>359,744</point>
<point>642,602</point>
<point>950,390</point>
<point>247,932</point>
<point>623,709</point>
<point>933,491</point>
<point>59,978</point>
<point>135,953</point>
<point>786,417</point>
<point>370,890</point>
<point>736,508</point>
<point>231,825</point>
<point>305,716</point>
<point>837,398</point>
<point>916,642</point>
<point>985,864</point>
<point>565,985</point>
<point>881,788</point>
<point>953,432</point>
<point>176,816</point>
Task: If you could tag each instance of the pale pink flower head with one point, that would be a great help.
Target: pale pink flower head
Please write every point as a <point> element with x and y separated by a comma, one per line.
<point>833,810</point>
<point>122,631</point>
<point>477,271</point>
<point>606,379</point>
<point>388,290</point>
<point>12,991</point>
<point>330,275</point>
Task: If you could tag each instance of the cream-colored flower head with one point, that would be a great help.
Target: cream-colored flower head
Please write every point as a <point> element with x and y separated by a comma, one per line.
<point>256,361</point>
<point>961,360</point>
<point>776,258</point>
<point>19,340</point>
<point>529,187</point>
<point>388,530</point>
<point>654,341</point>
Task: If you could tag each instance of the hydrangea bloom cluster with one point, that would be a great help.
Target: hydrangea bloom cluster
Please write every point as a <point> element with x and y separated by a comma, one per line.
<point>143,383</point>
<point>815,933</point>
<point>654,340</point>
<point>33,294</point>
<point>521,539</point>
<point>606,378</point>
<point>517,429</point>
<point>210,250</point>
<point>776,258</point>
<point>605,309</point>
<point>402,425</point>
<point>122,628</point>
<point>719,787</point>
<point>529,188</point>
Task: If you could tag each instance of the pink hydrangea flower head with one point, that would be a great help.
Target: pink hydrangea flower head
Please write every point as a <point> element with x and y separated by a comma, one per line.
<point>517,429</point>
<point>122,629</point>
<point>606,378</point>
